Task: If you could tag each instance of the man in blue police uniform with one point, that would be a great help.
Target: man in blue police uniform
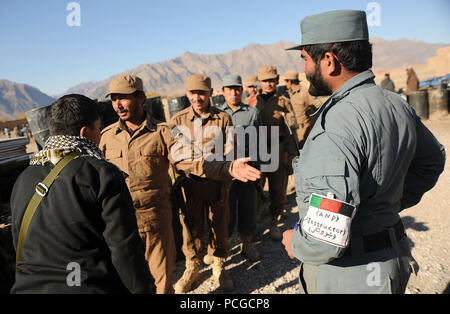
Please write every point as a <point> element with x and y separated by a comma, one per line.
<point>243,197</point>
<point>367,158</point>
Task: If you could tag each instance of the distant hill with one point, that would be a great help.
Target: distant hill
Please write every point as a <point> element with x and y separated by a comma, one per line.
<point>167,77</point>
<point>16,98</point>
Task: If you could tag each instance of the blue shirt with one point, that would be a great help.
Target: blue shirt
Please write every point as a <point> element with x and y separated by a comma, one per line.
<point>369,149</point>
<point>244,115</point>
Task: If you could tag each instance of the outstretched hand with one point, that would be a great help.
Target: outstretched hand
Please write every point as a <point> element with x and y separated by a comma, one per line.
<point>242,171</point>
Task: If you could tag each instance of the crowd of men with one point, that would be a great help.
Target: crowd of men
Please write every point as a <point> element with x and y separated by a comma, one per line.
<point>100,199</point>
<point>145,150</point>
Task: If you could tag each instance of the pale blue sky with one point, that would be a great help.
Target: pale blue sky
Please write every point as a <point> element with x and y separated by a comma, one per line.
<point>39,48</point>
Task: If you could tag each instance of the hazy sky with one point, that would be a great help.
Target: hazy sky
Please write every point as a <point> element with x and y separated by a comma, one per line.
<point>40,47</point>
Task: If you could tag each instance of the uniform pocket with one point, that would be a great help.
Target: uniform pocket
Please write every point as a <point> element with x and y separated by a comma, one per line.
<point>113,153</point>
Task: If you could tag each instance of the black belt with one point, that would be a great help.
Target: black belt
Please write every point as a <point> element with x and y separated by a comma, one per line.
<point>380,240</point>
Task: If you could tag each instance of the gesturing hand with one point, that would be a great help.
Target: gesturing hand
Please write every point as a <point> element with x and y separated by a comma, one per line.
<point>243,171</point>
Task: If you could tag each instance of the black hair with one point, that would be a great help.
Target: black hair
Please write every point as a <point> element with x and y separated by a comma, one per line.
<point>70,113</point>
<point>355,56</point>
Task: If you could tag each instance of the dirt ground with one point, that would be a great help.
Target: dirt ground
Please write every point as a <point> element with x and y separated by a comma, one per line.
<point>428,226</point>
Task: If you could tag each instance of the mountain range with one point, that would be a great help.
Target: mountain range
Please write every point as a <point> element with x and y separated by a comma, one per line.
<point>16,98</point>
<point>167,77</point>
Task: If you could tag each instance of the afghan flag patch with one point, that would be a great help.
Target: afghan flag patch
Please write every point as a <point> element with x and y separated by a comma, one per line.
<point>328,220</point>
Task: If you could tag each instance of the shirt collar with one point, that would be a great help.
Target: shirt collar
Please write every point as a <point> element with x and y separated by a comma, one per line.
<point>210,114</point>
<point>227,109</point>
<point>359,79</point>
<point>148,123</point>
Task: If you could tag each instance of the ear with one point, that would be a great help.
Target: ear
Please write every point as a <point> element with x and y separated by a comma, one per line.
<point>331,64</point>
<point>83,131</point>
<point>141,99</point>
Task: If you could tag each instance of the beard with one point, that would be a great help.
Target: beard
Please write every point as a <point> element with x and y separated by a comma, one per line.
<point>317,86</point>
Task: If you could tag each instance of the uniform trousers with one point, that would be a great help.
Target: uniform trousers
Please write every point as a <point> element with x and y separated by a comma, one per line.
<point>243,205</point>
<point>203,197</point>
<point>160,252</point>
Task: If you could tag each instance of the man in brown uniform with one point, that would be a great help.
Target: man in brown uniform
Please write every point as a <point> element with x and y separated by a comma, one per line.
<point>275,111</point>
<point>194,122</point>
<point>303,104</point>
<point>140,146</point>
<point>252,90</point>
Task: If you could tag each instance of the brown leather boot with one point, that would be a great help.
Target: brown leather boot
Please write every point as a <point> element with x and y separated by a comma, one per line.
<point>208,259</point>
<point>190,276</point>
<point>221,276</point>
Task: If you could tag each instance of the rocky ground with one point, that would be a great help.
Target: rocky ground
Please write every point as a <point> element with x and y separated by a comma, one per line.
<point>427,226</point>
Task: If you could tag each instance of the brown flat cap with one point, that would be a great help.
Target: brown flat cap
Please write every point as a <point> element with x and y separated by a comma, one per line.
<point>250,80</point>
<point>198,82</point>
<point>291,75</point>
<point>267,73</point>
<point>125,84</point>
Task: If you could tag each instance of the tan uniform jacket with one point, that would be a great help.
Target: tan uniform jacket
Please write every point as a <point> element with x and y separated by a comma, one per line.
<point>304,105</point>
<point>200,135</point>
<point>144,157</point>
<point>271,112</point>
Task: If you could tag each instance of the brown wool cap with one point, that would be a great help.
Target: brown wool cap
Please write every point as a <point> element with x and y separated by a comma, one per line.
<point>250,80</point>
<point>198,82</point>
<point>125,84</point>
<point>267,73</point>
<point>291,75</point>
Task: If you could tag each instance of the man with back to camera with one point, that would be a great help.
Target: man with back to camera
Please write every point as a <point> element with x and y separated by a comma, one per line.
<point>85,218</point>
<point>367,158</point>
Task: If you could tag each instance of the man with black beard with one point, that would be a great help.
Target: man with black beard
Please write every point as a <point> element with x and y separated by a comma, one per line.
<point>367,158</point>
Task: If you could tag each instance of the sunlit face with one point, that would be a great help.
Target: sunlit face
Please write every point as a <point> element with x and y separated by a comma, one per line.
<point>252,90</point>
<point>199,100</point>
<point>268,86</point>
<point>313,72</point>
<point>232,94</point>
<point>288,83</point>
<point>94,133</point>
<point>126,106</point>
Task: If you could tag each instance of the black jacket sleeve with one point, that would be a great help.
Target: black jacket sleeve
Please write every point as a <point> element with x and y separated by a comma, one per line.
<point>121,232</point>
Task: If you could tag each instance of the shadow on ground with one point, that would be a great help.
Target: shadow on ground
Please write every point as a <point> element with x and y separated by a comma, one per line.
<point>249,277</point>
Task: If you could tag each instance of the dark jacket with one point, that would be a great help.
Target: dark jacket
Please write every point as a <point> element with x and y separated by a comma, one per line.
<point>87,217</point>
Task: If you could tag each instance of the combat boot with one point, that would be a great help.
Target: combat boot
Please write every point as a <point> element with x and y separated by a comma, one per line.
<point>220,275</point>
<point>248,249</point>
<point>190,276</point>
<point>208,259</point>
<point>275,233</point>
